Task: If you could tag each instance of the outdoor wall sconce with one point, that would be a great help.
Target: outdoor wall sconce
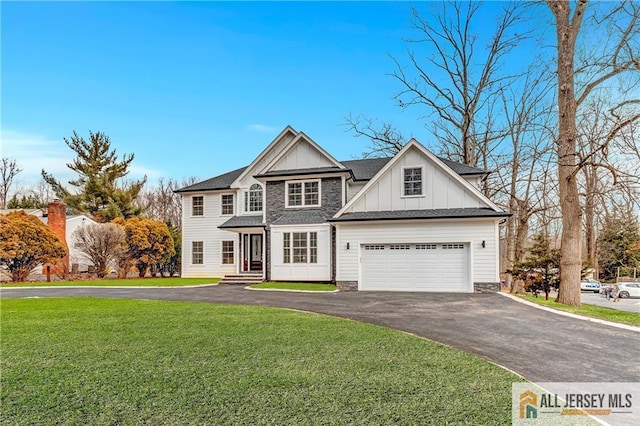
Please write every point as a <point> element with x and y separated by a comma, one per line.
<point>347,246</point>
<point>483,244</point>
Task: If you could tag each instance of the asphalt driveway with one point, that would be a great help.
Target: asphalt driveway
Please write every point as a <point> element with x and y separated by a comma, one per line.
<point>541,346</point>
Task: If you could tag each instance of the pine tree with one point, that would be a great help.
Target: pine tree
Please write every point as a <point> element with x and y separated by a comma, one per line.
<point>99,189</point>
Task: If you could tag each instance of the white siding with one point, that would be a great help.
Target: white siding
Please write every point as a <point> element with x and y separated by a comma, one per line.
<point>320,271</point>
<point>440,190</point>
<point>353,188</point>
<point>205,229</point>
<point>268,157</point>
<point>75,255</point>
<point>302,155</point>
<point>484,266</point>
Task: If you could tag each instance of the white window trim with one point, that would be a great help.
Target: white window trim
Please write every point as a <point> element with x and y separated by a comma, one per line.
<point>222,252</point>
<point>246,200</point>
<point>402,195</point>
<point>191,249</point>
<point>303,206</point>
<point>307,248</point>
<point>191,206</point>
<point>233,204</point>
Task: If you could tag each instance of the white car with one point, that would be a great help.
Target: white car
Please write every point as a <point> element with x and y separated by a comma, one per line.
<point>590,285</point>
<point>626,290</point>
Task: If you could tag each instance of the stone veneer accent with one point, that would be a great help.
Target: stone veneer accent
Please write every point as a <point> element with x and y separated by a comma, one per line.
<point>330,199</point>
<point>486,287</point>
<point>347,285</point>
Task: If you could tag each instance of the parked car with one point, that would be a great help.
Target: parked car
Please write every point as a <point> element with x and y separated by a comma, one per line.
<point>590,284</point>
<point>626,290</point>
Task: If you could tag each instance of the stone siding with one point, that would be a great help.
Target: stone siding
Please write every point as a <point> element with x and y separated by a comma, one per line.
<point>347,285</point>
<point>330,200</point>
<point>486,287</point>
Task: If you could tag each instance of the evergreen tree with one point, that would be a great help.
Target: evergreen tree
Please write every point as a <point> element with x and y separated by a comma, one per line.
<point>99,189</point>
<point>619,245</point>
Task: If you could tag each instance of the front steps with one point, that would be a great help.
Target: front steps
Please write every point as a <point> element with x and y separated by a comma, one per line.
<point>241,279</point>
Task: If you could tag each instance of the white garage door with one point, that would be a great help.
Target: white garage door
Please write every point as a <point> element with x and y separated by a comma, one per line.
<point>415,267</point>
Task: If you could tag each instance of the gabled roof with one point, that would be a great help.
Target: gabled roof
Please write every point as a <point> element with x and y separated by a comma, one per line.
<point>223,181</point>
<point>448,170</point>
<point>302,137</point>
<point>420,214</point>
<point>362,170</point>
<point>264,152</point>
<point>311,171</point>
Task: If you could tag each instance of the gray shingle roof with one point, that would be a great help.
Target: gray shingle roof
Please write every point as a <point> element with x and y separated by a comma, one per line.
<point>218,182</point>
<point>310,171</point>
<point>420,214</point>
<point>243,222</point>
<point>367,168</point>
<point>361,169</point>
<point>302,217</point>
<point>463,169</point>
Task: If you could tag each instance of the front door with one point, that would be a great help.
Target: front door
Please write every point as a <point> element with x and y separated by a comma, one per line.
<point>252,251</point>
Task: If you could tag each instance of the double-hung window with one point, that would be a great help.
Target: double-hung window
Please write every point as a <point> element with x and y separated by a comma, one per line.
<point>412,181</point>
<point>303,193</point>
<point>300,247</point>
<point>197,205</point>
<point>227,253</point>
<point>197,252</point>
<point>226,202</point>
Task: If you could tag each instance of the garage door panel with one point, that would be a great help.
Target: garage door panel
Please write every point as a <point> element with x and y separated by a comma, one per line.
<point>415,267</point>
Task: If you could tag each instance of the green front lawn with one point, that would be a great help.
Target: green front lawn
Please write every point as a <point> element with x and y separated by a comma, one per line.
<point>296,286</point>
<point>106,361</point>
<point>603,313</point>
<point>129,282</point>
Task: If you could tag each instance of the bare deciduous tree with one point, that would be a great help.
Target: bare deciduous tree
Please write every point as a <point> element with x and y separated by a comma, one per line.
<point>459,82</point>
<point>619,57</point>
<point>8,171</point>
<point>102,244</point>
<point>160,202</point>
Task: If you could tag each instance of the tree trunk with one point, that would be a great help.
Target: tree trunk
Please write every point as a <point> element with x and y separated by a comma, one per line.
<point>571,244</point>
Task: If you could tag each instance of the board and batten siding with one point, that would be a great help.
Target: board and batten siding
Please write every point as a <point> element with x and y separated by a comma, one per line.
<point>302,155</point>
<point>353,188</point>
<point>484,260</point>
<point>440,190</point>
<point>269,156</point>
<point>205,228</point>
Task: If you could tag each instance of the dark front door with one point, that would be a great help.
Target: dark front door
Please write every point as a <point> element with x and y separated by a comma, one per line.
<point>252,252</point>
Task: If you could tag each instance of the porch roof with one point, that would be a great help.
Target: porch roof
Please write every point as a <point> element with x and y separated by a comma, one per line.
<point>243,222</point>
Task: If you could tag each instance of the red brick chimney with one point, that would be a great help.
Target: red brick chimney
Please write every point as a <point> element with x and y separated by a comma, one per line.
<point>57,221</point>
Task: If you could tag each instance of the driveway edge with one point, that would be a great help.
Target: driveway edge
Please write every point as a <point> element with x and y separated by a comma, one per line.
<point>575,316</point>
<point>109,286</point>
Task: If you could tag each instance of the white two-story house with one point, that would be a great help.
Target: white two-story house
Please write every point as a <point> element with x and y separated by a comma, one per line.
<point>413,222</point>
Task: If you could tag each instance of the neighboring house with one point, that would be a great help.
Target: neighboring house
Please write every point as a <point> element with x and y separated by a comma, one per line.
<point>413,222</point>
<point>65,225</point>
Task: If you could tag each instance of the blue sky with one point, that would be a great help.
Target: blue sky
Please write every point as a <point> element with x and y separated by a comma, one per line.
<point>194,88</point>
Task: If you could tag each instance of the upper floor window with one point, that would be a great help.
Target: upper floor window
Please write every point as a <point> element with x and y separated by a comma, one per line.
<point>253,199</point>
<point>412,181</point>
<point>227,204</point>
<point>303,193</point>
<point>197,206</point>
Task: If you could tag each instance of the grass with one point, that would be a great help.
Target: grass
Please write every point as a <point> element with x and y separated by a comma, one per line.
<point>296,286</point>
<point>608,314</point>
<point>80,361</point>
<point>129,282</point>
